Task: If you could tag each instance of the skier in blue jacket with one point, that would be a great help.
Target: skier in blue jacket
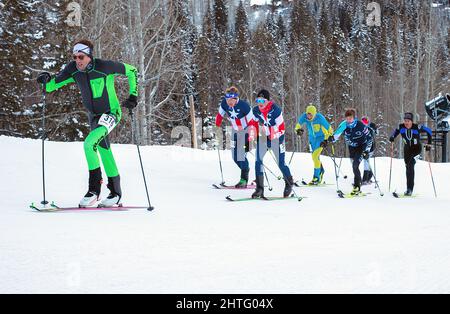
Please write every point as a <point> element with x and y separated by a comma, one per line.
<point>359,140</point>
<point>319,129</point>
<point>410,133</point>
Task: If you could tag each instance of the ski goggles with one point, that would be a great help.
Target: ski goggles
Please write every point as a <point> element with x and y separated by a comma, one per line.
<point>81,57</point>
<point>260,101</point>
<point>231,95</point>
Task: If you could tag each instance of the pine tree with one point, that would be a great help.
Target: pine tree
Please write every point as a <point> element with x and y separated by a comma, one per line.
<point>205,58</point>
<point>239,53</point>
<point>16,51</point>
<point>221,16</point>
<point>337,78</point>
<point>36,39</point>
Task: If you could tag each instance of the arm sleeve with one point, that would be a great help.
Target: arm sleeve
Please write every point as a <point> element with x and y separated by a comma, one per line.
<point>249,117</point>
<point>396,132</point>
<point>302,119</point>
<point>279,128</point>
<point>369,137</point>
<point>428,131</point>
<point>119,68</point>
<point>61,79</point>
<point>341,128</point>
<point>253,124</point>
<point>132,74</point>
<point>219,116</point>
<point>326,127</point>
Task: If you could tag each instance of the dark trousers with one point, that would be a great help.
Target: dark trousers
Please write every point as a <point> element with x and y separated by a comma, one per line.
<point>356,158</point>
<point>410,161</point>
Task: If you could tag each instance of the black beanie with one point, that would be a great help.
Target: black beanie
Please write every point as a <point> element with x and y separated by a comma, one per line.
<point>409,116</point>
<point>264,94</point>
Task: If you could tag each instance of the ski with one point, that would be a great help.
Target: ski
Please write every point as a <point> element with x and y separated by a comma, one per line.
<point>55,208</point>
<point>349,195</point>
<point>304,183</point>
<point>232,187</point>
<point>396,195</point>
<point>266,198</point>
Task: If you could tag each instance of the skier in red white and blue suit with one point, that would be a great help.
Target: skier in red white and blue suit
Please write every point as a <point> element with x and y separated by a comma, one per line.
<point>239,113</point>
<point>270,116</point>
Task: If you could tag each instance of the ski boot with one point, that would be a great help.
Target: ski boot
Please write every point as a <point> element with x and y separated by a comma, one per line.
<point>95,184</point>
<point>115,193</point>
<point>314,181</point>
<point>289,183</point>
<point>89,199</point>
<point>242,184</point>
<point>408,192</point>
<point>259,192</point>
<point>356,190</point>
<point>322,172</point>
<point>369,177</point>
<point>366,180</point>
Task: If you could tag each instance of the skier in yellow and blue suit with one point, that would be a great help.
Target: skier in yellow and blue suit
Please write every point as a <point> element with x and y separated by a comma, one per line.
<point>319,129</point>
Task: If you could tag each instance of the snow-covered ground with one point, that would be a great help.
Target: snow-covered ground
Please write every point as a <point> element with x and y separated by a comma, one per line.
<point>197,242</point>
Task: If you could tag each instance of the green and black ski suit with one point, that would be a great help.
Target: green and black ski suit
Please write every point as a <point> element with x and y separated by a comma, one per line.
<point>99,97</point>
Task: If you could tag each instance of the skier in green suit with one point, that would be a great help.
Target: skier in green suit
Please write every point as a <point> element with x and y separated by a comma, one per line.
<point>95,79</point>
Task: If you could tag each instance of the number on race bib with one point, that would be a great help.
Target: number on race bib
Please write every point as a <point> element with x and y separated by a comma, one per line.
<point>108,121</point>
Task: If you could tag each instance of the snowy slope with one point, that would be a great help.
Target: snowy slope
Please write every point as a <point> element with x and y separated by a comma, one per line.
<point>196,242</point>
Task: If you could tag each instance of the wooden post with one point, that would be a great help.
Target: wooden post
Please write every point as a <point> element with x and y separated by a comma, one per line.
<point>193,124</point>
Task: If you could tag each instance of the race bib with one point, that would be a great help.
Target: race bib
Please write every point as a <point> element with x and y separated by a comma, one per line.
<point>282,149</point>
<point>232,144</point>
<point>108,121</point>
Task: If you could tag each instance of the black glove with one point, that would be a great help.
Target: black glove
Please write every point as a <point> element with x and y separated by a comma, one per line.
<point>130,103</point>
<point>391,139</point>
<point>299,132</point>
<point>324,143</point>
<point>365,155</point>
<point>44,77</point>
<point>427,147</point>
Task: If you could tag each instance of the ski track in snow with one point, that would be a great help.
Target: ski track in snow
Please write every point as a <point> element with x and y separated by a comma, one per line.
<point>197,242</point>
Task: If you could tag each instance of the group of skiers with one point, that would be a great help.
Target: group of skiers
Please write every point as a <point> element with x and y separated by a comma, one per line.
<point>95,79</point>
<point>359,135</point>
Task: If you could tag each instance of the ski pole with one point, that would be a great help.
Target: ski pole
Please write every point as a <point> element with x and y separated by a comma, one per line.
<point>374,168</point>
<point>375,177</point>
<point>390,168</point>
<point>220,162</point>
<point>285,179</point>
<point>340,162</point>
<point>292,156</point>
<point>133,135</point>
<point>278,177</point>
<point>275,159</point>
<point>44,135</point>
<point>432,178</point>
<point>335,169</point>
<point>339,171</point>
<point>293,152</point>
<point>268,183</point>
<point>265,173</point>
